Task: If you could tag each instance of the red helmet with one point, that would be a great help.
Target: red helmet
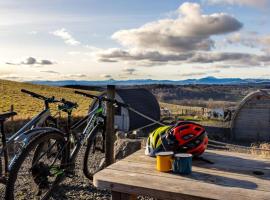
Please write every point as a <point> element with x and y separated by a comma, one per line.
<point>187,137</point>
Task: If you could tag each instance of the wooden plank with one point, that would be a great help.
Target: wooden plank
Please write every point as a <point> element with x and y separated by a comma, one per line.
<point>199,175</point>
<point>240,163</point>
<point>109,135</point>
<point>230,177</point>
<point>167,188</point>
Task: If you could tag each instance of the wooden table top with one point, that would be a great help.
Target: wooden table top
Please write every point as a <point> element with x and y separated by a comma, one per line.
<point>232,176</point>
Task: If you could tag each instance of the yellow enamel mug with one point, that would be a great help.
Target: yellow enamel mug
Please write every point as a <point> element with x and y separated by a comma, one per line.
<point>164,161</point>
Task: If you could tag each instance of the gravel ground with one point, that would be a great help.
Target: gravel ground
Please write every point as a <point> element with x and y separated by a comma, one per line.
<point>78,187</point>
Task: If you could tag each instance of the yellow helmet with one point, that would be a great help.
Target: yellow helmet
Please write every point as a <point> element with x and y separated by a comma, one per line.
<point>154,144</point>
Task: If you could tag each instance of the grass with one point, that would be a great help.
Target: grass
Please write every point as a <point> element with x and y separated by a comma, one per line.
<point>27,107</point>
<point>262,153</point>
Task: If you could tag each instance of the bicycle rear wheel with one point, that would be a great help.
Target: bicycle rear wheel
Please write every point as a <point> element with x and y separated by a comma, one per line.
<point>94,158</point>
<point>38,169</point>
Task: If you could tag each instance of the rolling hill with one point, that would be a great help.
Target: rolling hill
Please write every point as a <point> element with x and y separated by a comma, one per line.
<point>27,106</point>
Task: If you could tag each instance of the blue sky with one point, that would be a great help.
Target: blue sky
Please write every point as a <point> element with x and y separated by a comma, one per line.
<point>124,39</point>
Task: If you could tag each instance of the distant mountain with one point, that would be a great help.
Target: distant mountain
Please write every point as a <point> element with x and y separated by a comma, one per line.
<point>207,80</point>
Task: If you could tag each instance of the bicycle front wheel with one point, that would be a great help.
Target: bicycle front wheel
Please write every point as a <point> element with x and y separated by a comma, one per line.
<point>38,169</point>
<point>94,158</point>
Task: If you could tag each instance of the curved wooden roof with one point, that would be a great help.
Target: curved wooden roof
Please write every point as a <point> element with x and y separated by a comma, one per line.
<point>245,100</point>
<point>141,100</point>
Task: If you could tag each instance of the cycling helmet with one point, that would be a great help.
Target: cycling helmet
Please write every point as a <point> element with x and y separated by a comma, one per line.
<point>186,137</point>
<point>154,144</point>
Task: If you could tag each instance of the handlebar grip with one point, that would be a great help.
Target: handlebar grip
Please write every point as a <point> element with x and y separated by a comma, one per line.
<point>86,94</point>
<point>33,94</point>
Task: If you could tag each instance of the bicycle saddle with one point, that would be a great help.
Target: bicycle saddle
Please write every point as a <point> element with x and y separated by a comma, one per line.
<point>7,115</point>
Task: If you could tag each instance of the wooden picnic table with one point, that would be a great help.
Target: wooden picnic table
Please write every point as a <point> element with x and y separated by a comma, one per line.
<point>231,176</point>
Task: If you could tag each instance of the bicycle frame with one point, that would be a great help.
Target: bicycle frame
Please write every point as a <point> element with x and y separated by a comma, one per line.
<point>23,136</point>
<point>95,119</point>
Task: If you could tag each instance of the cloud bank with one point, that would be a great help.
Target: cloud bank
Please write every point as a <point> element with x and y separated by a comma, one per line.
<point>32,61</point>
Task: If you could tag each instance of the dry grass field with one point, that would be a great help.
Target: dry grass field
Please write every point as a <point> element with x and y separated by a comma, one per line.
<point>26,106</point>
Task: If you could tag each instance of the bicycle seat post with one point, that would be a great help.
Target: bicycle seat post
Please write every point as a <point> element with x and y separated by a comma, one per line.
<point>46,104</point>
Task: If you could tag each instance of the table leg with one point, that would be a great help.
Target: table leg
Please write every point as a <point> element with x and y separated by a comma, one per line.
<point>123,196</point>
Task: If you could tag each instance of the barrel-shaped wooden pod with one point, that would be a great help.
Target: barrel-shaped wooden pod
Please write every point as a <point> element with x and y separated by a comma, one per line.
<point>141,100</point>
<point>251,121</point>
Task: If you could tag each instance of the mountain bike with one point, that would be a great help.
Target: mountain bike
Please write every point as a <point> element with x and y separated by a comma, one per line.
<point>50,157</point>
<point>24,135</point>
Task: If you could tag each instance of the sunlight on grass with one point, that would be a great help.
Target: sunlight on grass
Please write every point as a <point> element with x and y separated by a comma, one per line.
<point>27,107</point>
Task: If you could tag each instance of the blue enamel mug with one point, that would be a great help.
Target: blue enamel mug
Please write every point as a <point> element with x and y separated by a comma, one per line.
<point>182,163</point>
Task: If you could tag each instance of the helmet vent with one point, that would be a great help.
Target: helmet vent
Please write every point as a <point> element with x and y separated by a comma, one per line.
<point>198,129</point>
<point>184,128</point>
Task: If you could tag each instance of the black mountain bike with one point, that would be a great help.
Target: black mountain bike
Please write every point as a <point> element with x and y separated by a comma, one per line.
<point>51,156</point>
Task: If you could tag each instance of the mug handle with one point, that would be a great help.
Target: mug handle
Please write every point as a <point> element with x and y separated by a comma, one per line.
<point>171,160</point>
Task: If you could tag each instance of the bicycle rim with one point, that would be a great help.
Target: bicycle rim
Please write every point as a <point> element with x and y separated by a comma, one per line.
<point>94,158</point>
<point>38,169</point>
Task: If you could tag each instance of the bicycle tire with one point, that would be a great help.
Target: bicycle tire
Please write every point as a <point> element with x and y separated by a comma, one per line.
<point>13,175</point>
<point>93,161</point>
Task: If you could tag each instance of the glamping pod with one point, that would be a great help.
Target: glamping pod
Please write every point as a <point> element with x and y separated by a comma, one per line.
<point>251,120</point>
<point>141,100</point>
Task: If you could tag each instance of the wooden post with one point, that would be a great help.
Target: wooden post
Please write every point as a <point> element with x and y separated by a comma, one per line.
<point>110,133</point>
<point>12,110</point>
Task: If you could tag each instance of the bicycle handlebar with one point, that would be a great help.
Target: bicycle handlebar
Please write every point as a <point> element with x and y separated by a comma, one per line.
<point>86,95</point>
<point>102,98</point>
<point>35,95</point>
<point>38,96</point>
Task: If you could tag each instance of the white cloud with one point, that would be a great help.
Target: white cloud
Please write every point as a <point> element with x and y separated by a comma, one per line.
<point>191,30</point>
<point>66,36</point>
<point>245,39</point>
<point>250,39</point>
<point>186,39</point>
<point>173,41</point>
<point>253,3</point>
<point>106,76</point>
